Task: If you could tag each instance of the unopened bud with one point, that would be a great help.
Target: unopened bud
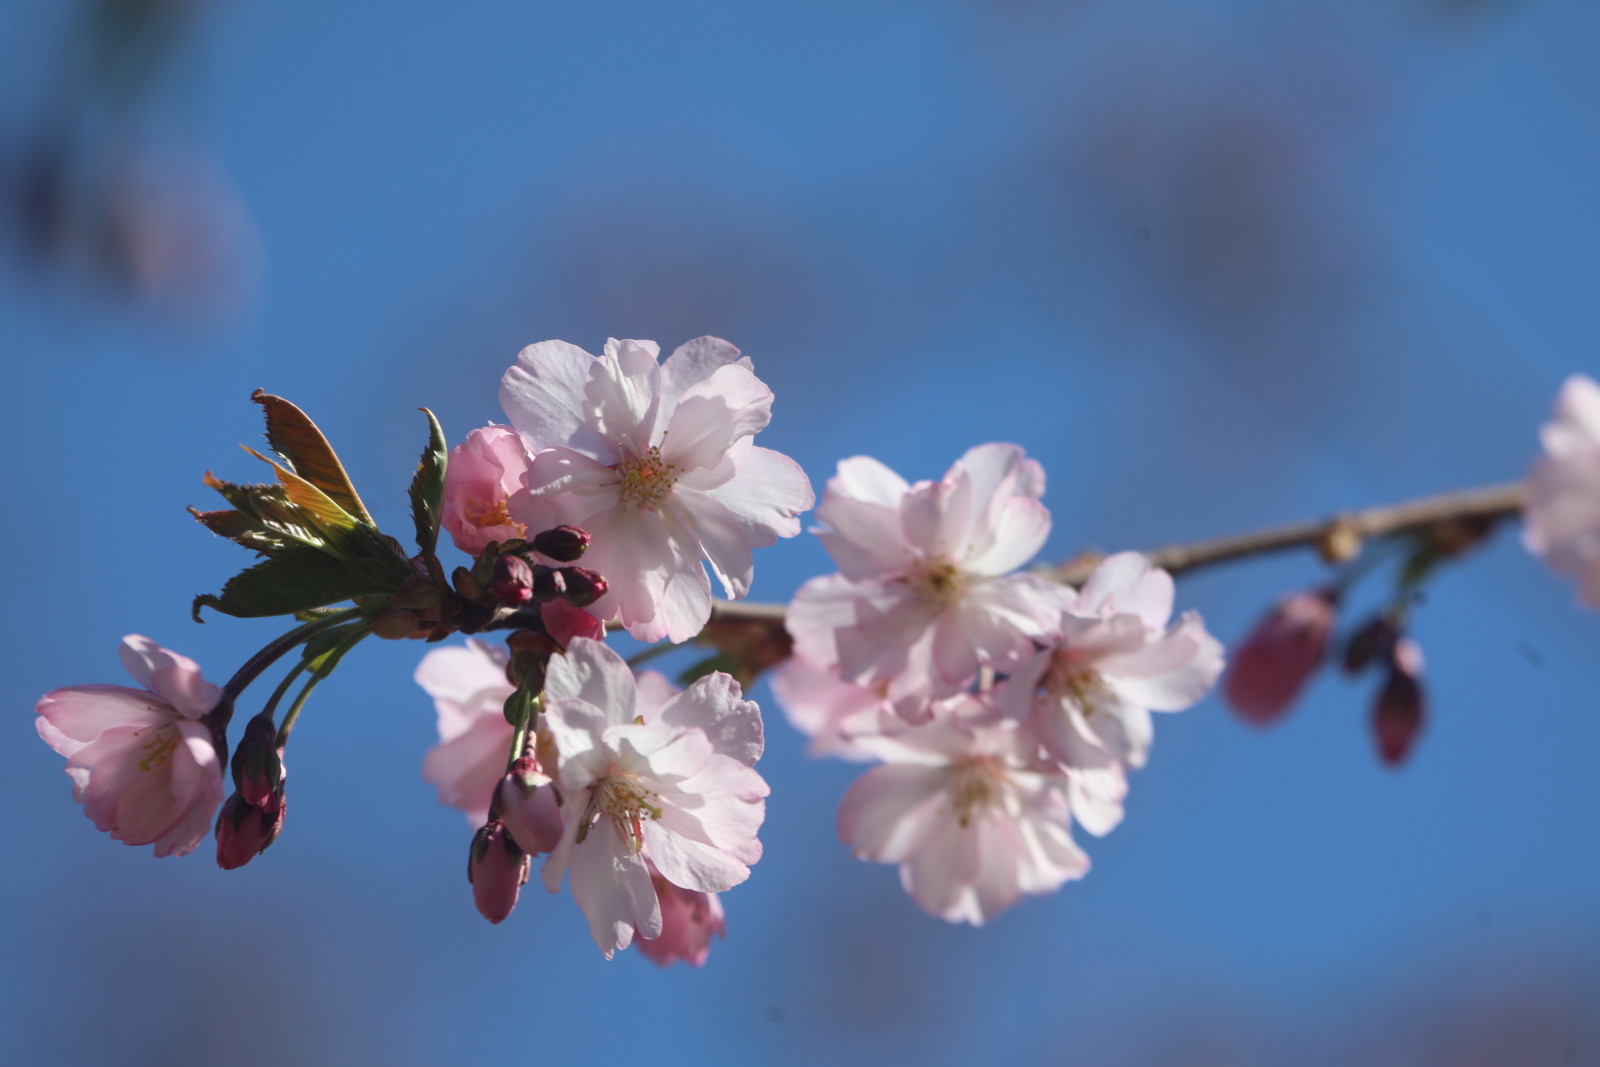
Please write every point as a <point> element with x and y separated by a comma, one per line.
<point>1398,715</point>
<point>530,655</point>
<point>496,867</point>
<point>513,581</point>
<point>246,830</point>
<point>584,586</point>
<point>257,767</point>
<point>1273,664</point>
<point>548,584</point>
<point>1374,641</point>
<point>562,544</point>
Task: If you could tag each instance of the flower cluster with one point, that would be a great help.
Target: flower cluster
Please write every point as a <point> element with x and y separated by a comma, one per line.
<point>1002,707</point>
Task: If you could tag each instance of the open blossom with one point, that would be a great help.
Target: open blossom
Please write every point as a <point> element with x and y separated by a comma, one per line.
<point>832,712</point>
<point>656,461</point>
<point>1561,524</point>
<point>970,814</point>
<point>142,763</point>
<point>482,473</point>
<point>924,593</point>
<point>1111,660</point>
<point>673,786</point>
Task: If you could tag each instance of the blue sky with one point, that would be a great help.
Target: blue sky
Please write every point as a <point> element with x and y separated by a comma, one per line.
<point>1216,265</point>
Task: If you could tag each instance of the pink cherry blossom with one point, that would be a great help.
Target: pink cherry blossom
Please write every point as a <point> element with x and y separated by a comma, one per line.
<point>482,473</point>
<point>968,811</point>
<point>925,595</point>
<point>142,761</point>
<point>656,461</point>
<point>1561,524</point>
<point>689,919</point>
<point>677,789</point>
<point>469,690</point>
<point>1270,666</point>
<point>1111,660</point>
<point>830,711</point>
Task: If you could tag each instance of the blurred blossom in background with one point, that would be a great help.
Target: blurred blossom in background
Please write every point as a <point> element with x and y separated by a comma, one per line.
<point>1216,264</point>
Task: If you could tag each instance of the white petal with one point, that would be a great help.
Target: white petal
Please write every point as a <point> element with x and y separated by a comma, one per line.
<point>543,398</point>
<point>612,886</point>
<point>593,672</point>
<point>715,704</point>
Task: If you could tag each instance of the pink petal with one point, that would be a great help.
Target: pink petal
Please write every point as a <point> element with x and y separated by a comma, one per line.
<point>543,398</point>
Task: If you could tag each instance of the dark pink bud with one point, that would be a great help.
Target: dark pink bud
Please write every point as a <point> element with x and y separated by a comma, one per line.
<point>513,581</point>
<point>496,867</point>
<point>548,584</point>
<point>257,767</point>
<point>246,830</point>
<point>562,544</point>
<point>1374,642</point>
<point>1271,666</point>
<point>584,586</point>
<point>1398,715</point>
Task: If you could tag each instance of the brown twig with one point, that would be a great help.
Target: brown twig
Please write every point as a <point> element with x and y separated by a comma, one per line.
<point>1337,538</point>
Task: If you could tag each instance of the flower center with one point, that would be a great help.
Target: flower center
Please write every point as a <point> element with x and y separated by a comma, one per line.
<point>975,786</point>
<point>485,513</point>
<point>158,749</point>
<point>621,798</point>
<point>937,581</point>
<point>645,480</point>
<point>1077,683</point>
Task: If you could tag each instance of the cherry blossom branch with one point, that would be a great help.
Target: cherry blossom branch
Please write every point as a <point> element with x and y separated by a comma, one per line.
<point>1465,514</point>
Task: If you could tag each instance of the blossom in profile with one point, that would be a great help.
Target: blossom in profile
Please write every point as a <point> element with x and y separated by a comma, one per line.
<point>689,920</point>
<point>672,785</point>
<point>1110,660</point>
<point>972,817</point>
<point>1272,665</point>
<point>480,476</point>
<point>142,761</point>
<point>1561,524</point>
<point>469,690</point>
<point>925,593</point>
<point>657,462</point>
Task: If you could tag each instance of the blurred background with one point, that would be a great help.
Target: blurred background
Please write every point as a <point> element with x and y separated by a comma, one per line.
<point>1217,264</point>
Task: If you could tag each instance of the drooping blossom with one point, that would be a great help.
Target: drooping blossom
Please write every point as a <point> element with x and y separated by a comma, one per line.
<point>677,789</point>
<point>1111,660</point>
<point>482,473</point>
<point>1272,665</point>
<point>689,920</point>
<point>970,814</point>
<point>1399,711</point>
<point>1561,524</point>
<point>925,593</point>
<point>656,461</point>
<point>142,761</point>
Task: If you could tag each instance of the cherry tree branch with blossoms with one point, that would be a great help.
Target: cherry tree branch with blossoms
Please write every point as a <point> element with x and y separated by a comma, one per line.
<point>999,707</point>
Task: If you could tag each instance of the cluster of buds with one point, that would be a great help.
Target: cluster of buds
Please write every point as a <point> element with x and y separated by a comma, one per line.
<point>506,576</point>
<point>252,816</point>
<point>1288,646</point>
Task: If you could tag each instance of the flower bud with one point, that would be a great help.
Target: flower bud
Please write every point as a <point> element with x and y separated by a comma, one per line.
<point>246,830</point>
<point>564,544</point>
<point>257,766</point>
<point>513,580</point>
<point>1398,715</point>
<point>1374,641</point>
<point>1272,665</point>
<point>584,586</point>
<point>496,867</point>
<point>548,584</point>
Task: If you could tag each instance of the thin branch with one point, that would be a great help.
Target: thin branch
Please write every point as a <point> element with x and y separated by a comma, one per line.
<point>1337,538</point>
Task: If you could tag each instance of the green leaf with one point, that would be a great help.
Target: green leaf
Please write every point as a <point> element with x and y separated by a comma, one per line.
<point>317,650</point>
<point>315,507</point>
<point>295,580</point>
<point>427,487</point>
<point>240,528</point>
<point>296,438</point>
<point>270,508</point>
